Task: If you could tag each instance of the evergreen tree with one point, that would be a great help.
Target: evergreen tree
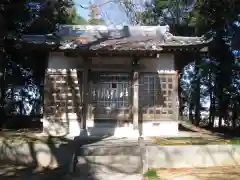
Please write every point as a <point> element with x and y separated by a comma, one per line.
<point>18,18</point>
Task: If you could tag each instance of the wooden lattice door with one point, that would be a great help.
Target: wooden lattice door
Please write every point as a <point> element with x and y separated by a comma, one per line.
<point>62,97</point>
<point>111,96</point>
<point>156,96</point>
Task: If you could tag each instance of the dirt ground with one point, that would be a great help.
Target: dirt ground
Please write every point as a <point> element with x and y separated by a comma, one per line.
<point>8,172</point>
<point>211,173</point>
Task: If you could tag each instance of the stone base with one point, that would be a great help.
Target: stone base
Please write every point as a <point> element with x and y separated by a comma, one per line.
<point>197,156</point>
<point>54,128</point>
<point>84,133</point>
<point>160,128</point>
<point>115,132</point>
<point>72,129</point>
<point>126,132</point>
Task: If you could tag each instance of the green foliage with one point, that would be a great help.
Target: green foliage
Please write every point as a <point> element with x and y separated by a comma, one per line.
<point>152,13</point>
<point>96,21</point>
<point>168,12</point>
<point>80,21</point>
<point>70,16</point>
<point>216,14</point>
<point>183,141</point>
<point>18,16</point>
<point>219,72</point>
<point>151,174</point>
<point>31,21</point>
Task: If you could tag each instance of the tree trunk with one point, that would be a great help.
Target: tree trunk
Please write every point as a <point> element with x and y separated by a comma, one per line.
<point>190,110</point>
<point>224,58</point>
<point>197,91</point>
<point>220,114</point>
<point>234,116</point>
<point>2,91</point>
<point>212,101</point>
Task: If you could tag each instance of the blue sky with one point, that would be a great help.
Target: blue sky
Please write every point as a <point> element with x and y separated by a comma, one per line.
<point>110,12</point>
<point>81,11</point>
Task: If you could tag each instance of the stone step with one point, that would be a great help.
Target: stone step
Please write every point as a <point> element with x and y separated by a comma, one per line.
<point>109,150</point>
<point>109,167</point>
<point>107,176</point>
<point>123,163</point>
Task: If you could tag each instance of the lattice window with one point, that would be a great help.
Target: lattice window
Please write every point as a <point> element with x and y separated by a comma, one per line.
<point>155,96</point>
<point>110,95</point>
<point>62,93</point>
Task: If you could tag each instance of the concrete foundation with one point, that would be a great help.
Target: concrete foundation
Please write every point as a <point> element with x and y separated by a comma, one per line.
<point>160,128</point>
<point>192,156</point>
<point>154,156</point>
<point>147,129</point>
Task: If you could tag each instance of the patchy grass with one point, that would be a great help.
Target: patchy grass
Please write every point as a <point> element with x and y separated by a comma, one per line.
<point>15,137</point>
<point>194,141</point>
<point>213,173</point>
<point>151,174</point>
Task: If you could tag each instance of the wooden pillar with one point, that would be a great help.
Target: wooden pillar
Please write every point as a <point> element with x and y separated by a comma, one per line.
<point>85,99</point>
<point>135,105</point>
<point>176,96</point>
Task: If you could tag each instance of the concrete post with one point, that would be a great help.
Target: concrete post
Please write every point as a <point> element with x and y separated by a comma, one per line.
<point>135,99</point>
<point>85,98</point>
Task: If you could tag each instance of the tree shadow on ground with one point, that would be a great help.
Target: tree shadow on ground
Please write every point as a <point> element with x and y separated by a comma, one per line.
<point>25,160</point>
<point>184,128</point>
<point>226,132</point>
<point>23,172</point>
<point>56,158</point>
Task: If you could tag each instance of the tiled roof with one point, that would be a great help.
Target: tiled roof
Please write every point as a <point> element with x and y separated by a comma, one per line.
<point>41,39</point>
<point>126,38</point>
<point>148,43</point>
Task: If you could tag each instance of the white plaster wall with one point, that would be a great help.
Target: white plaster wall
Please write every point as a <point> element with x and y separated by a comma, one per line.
<point>165,62</point>
<point>159,128</point>
<point>57,60</point>
<point>112,60</point>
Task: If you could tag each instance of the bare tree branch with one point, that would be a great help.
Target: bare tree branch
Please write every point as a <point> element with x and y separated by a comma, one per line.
<point>128,7</point>
<point>99,5</point>
<point>130,10</point>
